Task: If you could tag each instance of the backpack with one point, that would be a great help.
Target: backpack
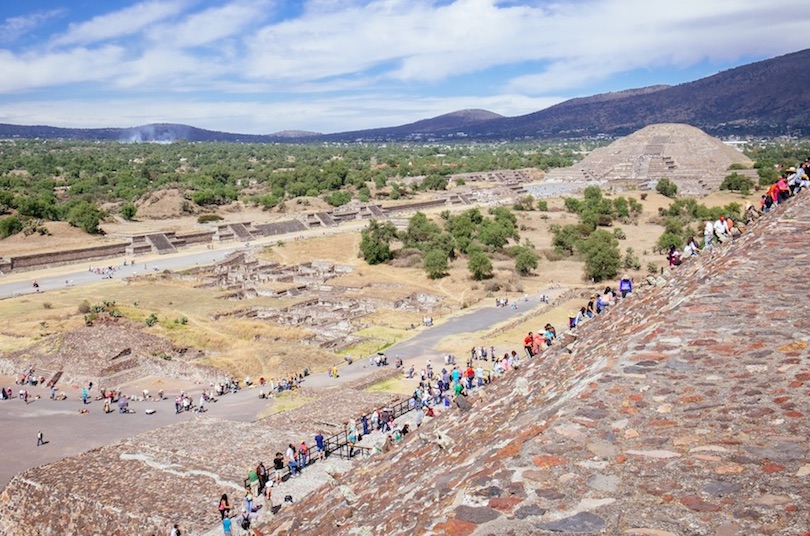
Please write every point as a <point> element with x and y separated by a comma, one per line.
<point>245,523</point>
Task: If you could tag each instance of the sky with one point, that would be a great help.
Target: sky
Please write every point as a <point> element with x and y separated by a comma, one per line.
<point>263,66</point>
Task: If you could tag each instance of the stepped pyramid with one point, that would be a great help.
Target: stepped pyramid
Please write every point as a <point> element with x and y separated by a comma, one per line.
<point>695,161</point>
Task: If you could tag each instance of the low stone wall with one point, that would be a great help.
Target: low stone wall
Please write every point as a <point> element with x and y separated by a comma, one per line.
<point>201,237</point>
<point>57,258</point>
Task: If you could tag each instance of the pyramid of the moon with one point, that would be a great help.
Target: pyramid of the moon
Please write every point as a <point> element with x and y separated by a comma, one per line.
<point>686,155</point>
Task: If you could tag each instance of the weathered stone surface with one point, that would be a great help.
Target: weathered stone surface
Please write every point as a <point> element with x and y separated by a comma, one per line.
<point>693,502</point>
<point>529,510</point>
<point>719,488</point>
<point>583,522</point>
<point>606,483</point>
<point>550,494</point>
<point>476,514</point>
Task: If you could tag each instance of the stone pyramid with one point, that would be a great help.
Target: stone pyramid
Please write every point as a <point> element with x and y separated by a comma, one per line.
<point>686,155</point>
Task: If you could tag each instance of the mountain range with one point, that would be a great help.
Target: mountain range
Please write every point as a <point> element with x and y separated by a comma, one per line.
<point>766,98</point>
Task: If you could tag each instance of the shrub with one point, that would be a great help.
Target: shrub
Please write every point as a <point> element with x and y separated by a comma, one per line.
<point>618,232</point>
<point>643,197</point>
<point>542,205</point>
<point>151,320</point>
<point>666,188</point>
<point>84,307</point>
<point>492,286</point>
<point>47,305</point>
<point>128,211</point>
<point>183,320</point>
<point>631,260</point>
<point>207,218</point>
<point>652,268</point>
<point>9,226</point>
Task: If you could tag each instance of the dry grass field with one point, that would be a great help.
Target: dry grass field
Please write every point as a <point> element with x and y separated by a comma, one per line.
<point>247,346</point>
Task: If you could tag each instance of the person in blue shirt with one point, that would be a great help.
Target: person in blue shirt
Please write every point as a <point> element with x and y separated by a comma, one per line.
<point>226,526</point>
<point>625,286</point>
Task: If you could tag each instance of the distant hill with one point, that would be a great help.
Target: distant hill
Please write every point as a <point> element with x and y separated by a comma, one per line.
<point>160,132</point>
<point>769,97</point>
<point>443,125</point>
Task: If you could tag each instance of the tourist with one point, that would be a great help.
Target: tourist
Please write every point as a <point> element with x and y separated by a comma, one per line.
<point>226,526</point>
<point>527,345</point>
<point>708,234</point>
<point>351,439</point>
<point>721,230</point>
<point>224,506</point>
<point>261,472</point>
<point>626,285</point>
<point>691,248</point>
<point>40,440</point>
<point>175,531</point>
<point>278,466</point>
<point>674,256</point>
<point>303,451</point>
<point>292,461</point>
<point>319,445</point>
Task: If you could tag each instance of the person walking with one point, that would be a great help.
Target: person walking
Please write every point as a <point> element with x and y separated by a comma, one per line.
<point>226,526</point>
<point>224,506</point>
<point>40,440</point>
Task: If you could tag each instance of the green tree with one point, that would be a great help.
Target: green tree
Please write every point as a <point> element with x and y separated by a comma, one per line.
<point>737,183</point>
<point>525,202</point>
<point>479,265</point>
<point>420,231</point>
<point>435,263</point>
<point>667,188</point>
<point>375,242</point>
<point>525,261</point>
<point>565,238</point>
<point>495,235</point>
<point>602,256</point>
<point>128,211</point>
<point>338,198</point>
<point>542,205</point>
<point>85,216</point>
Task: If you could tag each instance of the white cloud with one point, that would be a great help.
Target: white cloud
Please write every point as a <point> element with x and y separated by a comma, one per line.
<point>77,65</point>
<point>15,27</point>
<point>211,25</point>
<point>125,22</point>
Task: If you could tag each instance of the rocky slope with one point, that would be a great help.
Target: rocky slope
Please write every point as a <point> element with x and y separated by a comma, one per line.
<point>682,411</point>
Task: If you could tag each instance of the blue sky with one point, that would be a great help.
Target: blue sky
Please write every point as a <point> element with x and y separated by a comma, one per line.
<point>261,66</point>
